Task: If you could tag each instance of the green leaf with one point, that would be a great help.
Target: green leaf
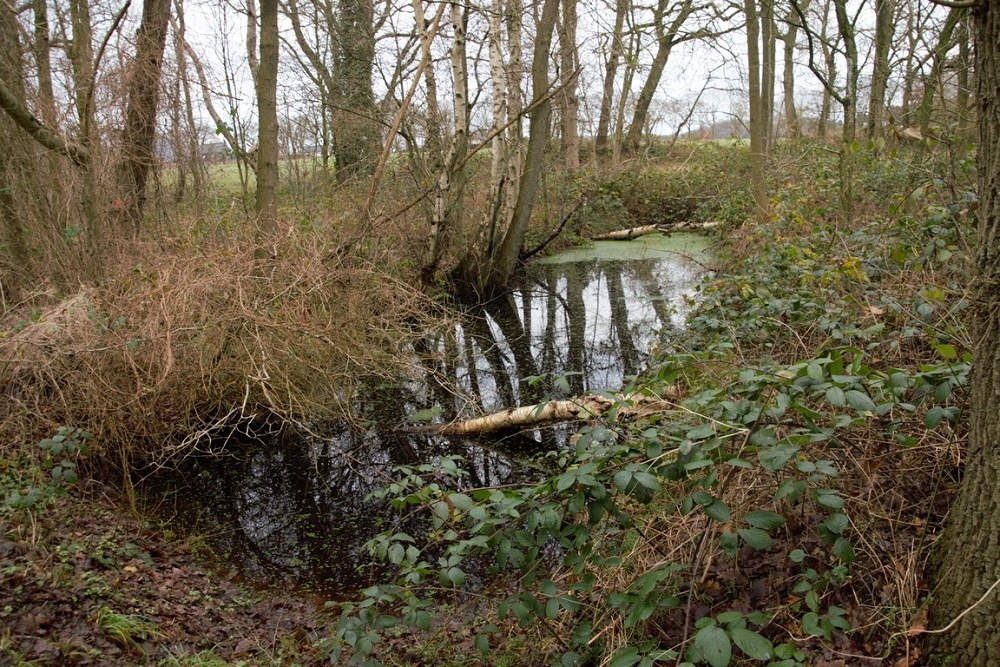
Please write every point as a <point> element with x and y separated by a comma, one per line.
<point>815,371</point>
<point>764,519</point>
<point>797,555</point>
<point>946,351</point>
<point>565,480</point>
<point>859,400</point>
<point>461,501</point>
<point>713,644</point>
<point>731,618</point>
<point>701,432</point>
<point>835,396</point>
<point>829,499</point>
<point>625,657</point>
<point>934,416</point>
<point>441,510</point>
<point>571,659</point>
<point>843,550</point>
<point>775,458</point>
<point>836,523</point>
<point>640,612</point>
<point>719,511</point>
<point>756,646</point>
<point>456,576</point>
<point>729,543</point>
<point>646,480</point>
<point>483,644</point>
<point>622,479</point>
<point>755,537</point>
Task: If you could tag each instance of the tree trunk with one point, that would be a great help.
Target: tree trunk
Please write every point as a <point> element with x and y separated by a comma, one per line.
<point>768,67</point>
<point>793,126</point>
<point>830,60</point>
<point>11,181</point>
<point>569,104</point>
<point>610,73</point>
<point>933,83</point>
<point>357,138</point>
<point>758,136</point>
<point>968,562</point>
<point>849,102</point>
<point>666,38</point>
<point>267,120</point>
<point>447,193</point>
<point>533,416</point>
<point>884,28</point>
<point>502,266</point>
<point>496,214</point>
<point>143,95</point>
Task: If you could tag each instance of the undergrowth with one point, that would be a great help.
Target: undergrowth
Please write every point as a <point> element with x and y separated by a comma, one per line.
<point>184,342</point>
<point>780,513</point>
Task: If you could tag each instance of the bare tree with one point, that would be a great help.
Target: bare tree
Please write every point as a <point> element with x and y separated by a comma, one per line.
<point>267,120</point>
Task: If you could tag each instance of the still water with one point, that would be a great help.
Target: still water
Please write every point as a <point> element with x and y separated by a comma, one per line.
<point>293,508</point>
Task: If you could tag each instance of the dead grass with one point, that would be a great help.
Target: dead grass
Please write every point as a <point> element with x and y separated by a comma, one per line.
<point>181,342</point>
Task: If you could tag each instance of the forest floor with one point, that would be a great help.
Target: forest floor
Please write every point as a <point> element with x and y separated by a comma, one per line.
<point>84,582</point>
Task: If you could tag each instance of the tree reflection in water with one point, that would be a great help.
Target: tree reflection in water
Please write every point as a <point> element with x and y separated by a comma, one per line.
<point>294,508</point>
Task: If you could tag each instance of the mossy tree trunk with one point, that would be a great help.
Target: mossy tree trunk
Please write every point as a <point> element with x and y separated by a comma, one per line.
<point>968,562</point>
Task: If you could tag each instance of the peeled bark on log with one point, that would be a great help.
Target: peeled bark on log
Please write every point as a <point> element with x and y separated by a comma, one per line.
<point>636,232</point>
<point>541,414</point>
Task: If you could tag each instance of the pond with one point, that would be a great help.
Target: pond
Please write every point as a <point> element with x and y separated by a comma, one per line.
<point>293,508</point>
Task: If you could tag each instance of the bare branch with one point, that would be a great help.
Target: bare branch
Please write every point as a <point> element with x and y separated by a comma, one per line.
<point>42,134</point>
<point>958,4</point>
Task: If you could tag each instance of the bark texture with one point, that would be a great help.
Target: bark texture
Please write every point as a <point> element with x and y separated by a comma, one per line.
<point>884,29</point>
<point>503,265</point>
<point>267,123</point>
<point>143,96</point>
<point>968,562</point>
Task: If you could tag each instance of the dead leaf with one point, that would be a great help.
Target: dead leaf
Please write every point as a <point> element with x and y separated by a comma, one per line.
<point>919,625</point>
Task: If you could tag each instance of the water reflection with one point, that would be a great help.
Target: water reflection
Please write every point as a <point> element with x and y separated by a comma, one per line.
<point>294,508</point>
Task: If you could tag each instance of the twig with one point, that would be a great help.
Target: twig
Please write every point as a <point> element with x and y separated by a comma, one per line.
<point>553,235</point>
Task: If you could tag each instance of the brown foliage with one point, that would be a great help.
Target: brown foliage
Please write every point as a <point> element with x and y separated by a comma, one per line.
<point>184,341</point>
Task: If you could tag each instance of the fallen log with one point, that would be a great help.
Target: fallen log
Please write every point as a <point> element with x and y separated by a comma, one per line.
<point>560,410</point>
<point>628,234</point>
<point>636,232</point>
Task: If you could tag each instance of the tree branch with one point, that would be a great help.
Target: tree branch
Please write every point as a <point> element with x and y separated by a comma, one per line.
<point>42,134</point>
<point>958,4</point>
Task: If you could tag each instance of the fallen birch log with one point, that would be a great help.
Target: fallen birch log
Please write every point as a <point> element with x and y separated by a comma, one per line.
<point>628,234</point>
<point>541,414</point>
<point>636,232</point>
